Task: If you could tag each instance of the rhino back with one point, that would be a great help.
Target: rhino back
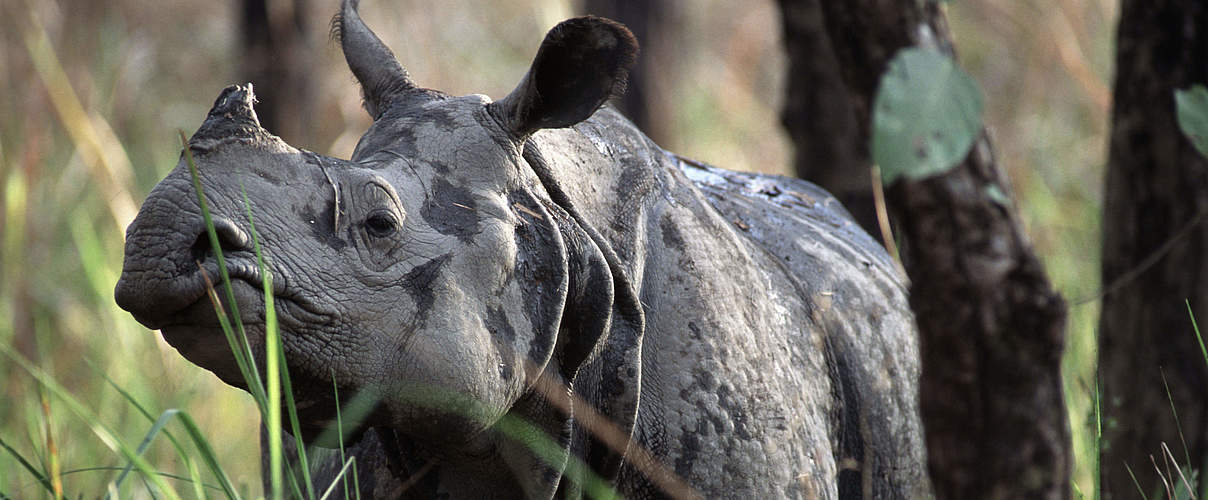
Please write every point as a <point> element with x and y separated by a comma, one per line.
<point>779,352</point>
<point>860,302</point>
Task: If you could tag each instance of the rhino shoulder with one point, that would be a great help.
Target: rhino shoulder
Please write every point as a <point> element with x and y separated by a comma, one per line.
<point>858,299</point>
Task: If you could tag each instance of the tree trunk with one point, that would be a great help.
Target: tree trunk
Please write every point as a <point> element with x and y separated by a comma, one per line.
<point>992,336</point>
<point>830,147</point>
<point>1154,205</point>
<point>991,326</point>
<point>277,59</point>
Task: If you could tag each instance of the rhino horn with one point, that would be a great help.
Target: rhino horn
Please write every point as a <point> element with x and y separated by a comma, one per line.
<point>232,116</point>
<point>381,76</point>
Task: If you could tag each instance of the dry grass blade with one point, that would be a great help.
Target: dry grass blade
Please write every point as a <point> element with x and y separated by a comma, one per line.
<point>98,147</point>
<point>1169,459</point>
<point>52,450</point>
<point>1064,32</point>
<point>1178,425</point>
<point>419,474</point>
<point>339,479</point>
<point>878,199</point>
<point>1162,476</point>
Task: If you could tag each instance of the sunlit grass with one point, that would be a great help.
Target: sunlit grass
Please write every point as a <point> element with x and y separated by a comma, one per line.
<point>63,176</point>
<point>94,423</point>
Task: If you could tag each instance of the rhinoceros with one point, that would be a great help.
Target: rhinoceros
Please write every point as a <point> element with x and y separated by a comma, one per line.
<point>539,298</point>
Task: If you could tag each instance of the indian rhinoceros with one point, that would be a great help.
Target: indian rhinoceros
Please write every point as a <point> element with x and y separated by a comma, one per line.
<point>637,319</point>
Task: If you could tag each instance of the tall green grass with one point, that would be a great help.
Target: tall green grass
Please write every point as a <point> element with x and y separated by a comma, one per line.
<point>88,411</point>
<point>45,470</point>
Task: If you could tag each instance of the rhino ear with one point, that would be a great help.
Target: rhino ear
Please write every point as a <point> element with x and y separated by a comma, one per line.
<point>582,62</point>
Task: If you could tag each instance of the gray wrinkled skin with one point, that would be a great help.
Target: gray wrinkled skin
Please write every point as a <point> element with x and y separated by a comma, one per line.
<point>739,327</point>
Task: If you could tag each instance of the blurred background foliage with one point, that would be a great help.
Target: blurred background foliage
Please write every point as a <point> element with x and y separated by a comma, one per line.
<point>96,90</point>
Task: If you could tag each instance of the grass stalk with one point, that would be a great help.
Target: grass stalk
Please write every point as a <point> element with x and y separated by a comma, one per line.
<point>267,400</point>
<point>1177,425</point>
<point>190,465</point>
<point>275,387</point>
<point>166,475</point>
<point>99,148</point>
<point>1203,480</point>
<point>52,449</point>
<point>207,454</point>
<point>40,478</point>
<point>335,390</point>
<point>878,198</point>
<point>102,431</point>
<point>1135,482</point>
<point>1097,466</point>
<point>156,427</point>
<point>272,368</point>
<point>240,348</point>
<point>1196,327</point>
<point>276,372</point>
<point>339,479</point>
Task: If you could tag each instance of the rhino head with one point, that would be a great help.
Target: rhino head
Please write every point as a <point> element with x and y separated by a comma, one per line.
<point>433,260</point>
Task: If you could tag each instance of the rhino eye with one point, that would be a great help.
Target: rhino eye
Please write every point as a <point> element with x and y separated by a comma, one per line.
<point>381,224</point>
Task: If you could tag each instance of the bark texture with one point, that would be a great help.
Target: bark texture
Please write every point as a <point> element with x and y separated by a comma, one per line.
<point>277,58</point>
<point>992,336</point>
<point>1155,198</point>
<point>991,325</point>
<point>820,114</point>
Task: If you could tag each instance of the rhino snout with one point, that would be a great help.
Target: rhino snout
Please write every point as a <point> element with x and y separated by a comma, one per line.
<point>162,273</point>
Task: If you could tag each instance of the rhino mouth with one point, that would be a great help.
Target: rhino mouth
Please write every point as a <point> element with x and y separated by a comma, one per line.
<point>189,320</point>
<point>185,300</point>
<point>247,285</point>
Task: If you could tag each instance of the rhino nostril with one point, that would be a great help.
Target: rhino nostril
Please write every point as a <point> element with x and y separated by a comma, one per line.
<point>230,238</point>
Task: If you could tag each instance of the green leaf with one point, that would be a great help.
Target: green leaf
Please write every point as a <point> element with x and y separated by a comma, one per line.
<point>926,115</point>
<point>1191,109</point>
<point>106,434</point>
